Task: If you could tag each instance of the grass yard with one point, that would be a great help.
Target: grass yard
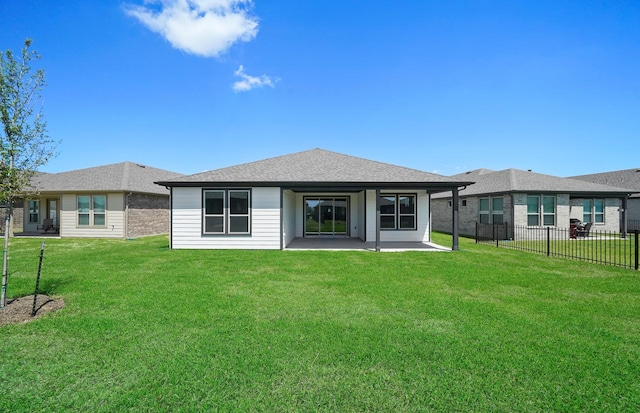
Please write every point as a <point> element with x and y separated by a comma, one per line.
<point>603,248</point>
<point>483,329</point>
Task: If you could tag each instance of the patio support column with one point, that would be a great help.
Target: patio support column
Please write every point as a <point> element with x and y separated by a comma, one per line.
<point>281,219</point>
<point>456,209</point>
<point>378,220</point>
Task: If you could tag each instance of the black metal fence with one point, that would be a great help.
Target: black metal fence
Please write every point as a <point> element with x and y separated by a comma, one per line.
<point>603,247</point>
<point>633,225</point>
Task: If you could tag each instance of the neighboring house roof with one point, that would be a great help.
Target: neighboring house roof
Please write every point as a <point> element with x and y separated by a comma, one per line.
<point>474,173</point>
<point>117,177</point>
<point>316,167</point>
<point>516,180</point>
<point>626,178</point>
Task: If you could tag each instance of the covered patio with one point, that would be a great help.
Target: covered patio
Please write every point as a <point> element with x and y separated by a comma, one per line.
<point>355,244</point>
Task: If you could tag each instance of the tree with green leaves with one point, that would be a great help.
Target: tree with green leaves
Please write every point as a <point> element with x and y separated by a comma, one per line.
<point>24,143</point>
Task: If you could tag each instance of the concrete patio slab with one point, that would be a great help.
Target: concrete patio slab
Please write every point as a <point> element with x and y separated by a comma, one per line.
<point>355,244</point>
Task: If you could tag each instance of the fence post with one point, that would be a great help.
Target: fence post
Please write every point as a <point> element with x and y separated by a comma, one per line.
<point>636,249</point>
<point>476,232</point>
<point>548,241</point>
<point>495,235</point>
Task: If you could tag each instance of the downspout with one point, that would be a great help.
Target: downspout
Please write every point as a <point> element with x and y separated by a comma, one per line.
<point>456,216</point>
<point>282,234</point>
<point>624,216</point>
<point>377,219</point>
<point>170,217</point>
<point>430,223</point>
<point>512,230</point>
<point>126,215</point>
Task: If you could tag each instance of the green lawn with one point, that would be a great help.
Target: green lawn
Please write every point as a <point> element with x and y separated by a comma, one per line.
<point>604,248</point>
<point>483,329</point>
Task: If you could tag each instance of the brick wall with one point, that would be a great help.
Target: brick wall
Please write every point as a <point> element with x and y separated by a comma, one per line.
<point>516,214</point>
<point>442,214</point>
<point>148,215</point>
<point>18,216</point>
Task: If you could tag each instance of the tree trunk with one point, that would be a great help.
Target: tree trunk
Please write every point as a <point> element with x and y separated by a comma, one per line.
<point>5,256</point>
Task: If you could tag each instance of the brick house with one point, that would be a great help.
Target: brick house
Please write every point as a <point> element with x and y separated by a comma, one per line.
<point>111,201</point>
<point>529,199</point>
<point>626,178</point>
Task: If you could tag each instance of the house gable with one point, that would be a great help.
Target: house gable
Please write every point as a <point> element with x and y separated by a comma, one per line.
<point>298,195</point>
<point>314,168</point>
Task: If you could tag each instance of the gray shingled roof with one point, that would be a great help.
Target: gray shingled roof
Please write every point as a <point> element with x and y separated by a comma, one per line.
<point>474,173</point>
<point>516,180</point>
<point>316,166</point>
<point>626,178</point>
<point>117,177</point>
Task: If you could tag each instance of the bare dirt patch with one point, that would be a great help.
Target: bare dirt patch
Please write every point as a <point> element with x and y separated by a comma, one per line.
<point>18,310</point>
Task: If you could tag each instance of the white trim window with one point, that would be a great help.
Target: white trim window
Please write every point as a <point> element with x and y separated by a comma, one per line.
<point>593,210</point>
<point>92,210</point>
<point>541,209</point>
<point>483,210</point>
<point>398,212</point>
<point>497,210</point>
<point>491,210</point>
<point>34,211</point>
<point>226,211</point>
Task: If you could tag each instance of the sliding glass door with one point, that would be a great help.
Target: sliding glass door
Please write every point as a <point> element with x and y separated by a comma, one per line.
<point>326,215</point>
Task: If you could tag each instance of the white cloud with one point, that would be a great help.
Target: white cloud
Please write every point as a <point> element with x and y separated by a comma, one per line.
<point>201,27</point>
<point>248,82</point>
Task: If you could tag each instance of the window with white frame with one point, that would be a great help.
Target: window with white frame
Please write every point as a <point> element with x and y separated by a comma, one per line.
<point>226,211</point>
<point>398,211</point>
<point>92,210</point>
<point>34,211</point>
<point>541,209</point>
<point>497,210</point>
<point>483,210</point>
<point>548,210</point>
<point>593,211</point>
<point>491,210</point>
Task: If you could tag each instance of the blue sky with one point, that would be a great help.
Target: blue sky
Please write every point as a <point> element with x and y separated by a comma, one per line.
<point>441,86</point>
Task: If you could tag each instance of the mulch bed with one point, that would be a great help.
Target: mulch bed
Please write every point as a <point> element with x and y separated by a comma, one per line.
<point>19,310</point>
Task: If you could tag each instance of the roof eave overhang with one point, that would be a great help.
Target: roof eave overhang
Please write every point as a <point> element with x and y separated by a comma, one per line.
<point>572,194</point>
<point>305,186</point>
<point>600,194</point>
<point>96,191</point>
